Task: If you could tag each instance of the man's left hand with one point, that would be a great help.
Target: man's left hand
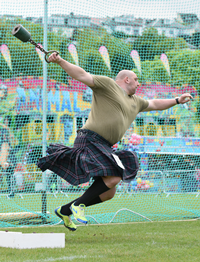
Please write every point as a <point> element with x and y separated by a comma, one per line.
<point>184,98</point>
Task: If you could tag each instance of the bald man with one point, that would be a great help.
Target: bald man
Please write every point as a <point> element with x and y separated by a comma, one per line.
<point>114,107</point>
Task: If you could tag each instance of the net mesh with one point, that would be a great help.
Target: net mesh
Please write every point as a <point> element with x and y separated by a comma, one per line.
<point>159,41</point>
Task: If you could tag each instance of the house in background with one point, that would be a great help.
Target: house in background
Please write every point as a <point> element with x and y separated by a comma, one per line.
<point>124,18</point>
<point>31,19</point>
<point>190,22</point>
<point>66,24</point>
<point>184,25</point>
<point>127,25</point>
<point>128,28</point>
<point>11,17</point>
<point>169,28</point>
<point>187,19</point>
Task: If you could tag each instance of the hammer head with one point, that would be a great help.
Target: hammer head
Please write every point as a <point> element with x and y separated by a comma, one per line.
<point>21,33</point>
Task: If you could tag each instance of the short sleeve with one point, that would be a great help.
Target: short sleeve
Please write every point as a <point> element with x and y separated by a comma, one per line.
<point>101,82</point>
<point>142,103</point>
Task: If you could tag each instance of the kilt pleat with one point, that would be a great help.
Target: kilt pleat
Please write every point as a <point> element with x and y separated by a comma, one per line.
<point>90,157</point>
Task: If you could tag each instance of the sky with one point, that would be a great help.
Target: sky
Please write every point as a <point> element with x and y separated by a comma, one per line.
<point>102,8</point>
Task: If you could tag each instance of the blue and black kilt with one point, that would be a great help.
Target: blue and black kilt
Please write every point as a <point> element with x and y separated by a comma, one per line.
<point>90,157</point>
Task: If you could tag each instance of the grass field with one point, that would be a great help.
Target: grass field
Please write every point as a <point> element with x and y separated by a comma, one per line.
<point>138,242</point>
<point>133,208</point>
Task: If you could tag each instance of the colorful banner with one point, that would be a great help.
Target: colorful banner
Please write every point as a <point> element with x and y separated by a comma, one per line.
<point>165,62</point>
<point>40,53</point>
<point>6,55</point>
<point>73,52</point>
<point>104,53</point>
<point>150,144</point>
<point>135,56</point>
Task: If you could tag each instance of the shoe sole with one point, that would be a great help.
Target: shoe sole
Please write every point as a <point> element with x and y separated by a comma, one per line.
<point>81,221</point>
<point>70,229</point>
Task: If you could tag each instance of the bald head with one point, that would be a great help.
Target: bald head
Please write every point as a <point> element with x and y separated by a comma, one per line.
<point>124,73</point>
<point>127,80</point>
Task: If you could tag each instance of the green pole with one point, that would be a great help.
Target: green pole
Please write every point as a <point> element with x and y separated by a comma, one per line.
<point>44,141</point>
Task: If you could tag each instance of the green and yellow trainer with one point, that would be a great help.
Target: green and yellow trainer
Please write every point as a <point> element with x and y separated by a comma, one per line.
<point>67,220</point>
<point>78,213</point>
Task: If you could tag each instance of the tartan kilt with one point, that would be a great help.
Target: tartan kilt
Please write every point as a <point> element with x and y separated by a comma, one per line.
<point>90,157</point>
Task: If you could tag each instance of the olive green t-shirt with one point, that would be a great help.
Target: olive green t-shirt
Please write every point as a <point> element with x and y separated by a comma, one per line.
<point>112,110</point>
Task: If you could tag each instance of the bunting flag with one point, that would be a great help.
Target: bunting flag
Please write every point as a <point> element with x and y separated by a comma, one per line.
<point>165,62</point>
<point>40,53</point>
<point>135,56</point>
<point>6,55</point>
<point>104,53</point>
<point>73,52</point>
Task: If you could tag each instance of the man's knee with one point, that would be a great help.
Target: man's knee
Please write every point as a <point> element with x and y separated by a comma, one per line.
<point>111,193</point>
<point>108,194</point>
<point>111,181</point>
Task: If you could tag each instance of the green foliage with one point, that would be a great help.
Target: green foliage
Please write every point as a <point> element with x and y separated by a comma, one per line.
<point>150,44</point>
<point>119,54</point>
<point>88,43</point>
<point>3,30</point>
<point>154,71</point>
<point>184,63</point>
<point>185,67</point>
<point>196,39</point>
<point>93,63</point>
<point>120,35</point>
<point>25,60</point>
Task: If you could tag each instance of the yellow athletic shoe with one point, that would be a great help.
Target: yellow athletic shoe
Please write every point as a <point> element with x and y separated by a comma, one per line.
<point>67,220</point>
<point>78,212</point>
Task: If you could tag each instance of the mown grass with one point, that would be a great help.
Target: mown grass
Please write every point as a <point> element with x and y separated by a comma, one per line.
<point>154,207</point>
<point>138,242</point>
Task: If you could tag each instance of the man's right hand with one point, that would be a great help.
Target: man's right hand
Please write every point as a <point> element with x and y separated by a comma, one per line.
<point>54,58</point>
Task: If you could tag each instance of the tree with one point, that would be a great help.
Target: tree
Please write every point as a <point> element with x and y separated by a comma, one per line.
<point>93,63</point>
<point>150,44</point>
<point>196,39</point>
<point>120,34</point>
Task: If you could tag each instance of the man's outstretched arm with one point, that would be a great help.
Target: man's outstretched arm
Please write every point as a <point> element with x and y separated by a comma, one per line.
<point>74,71</point>
<point>162,104</point>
